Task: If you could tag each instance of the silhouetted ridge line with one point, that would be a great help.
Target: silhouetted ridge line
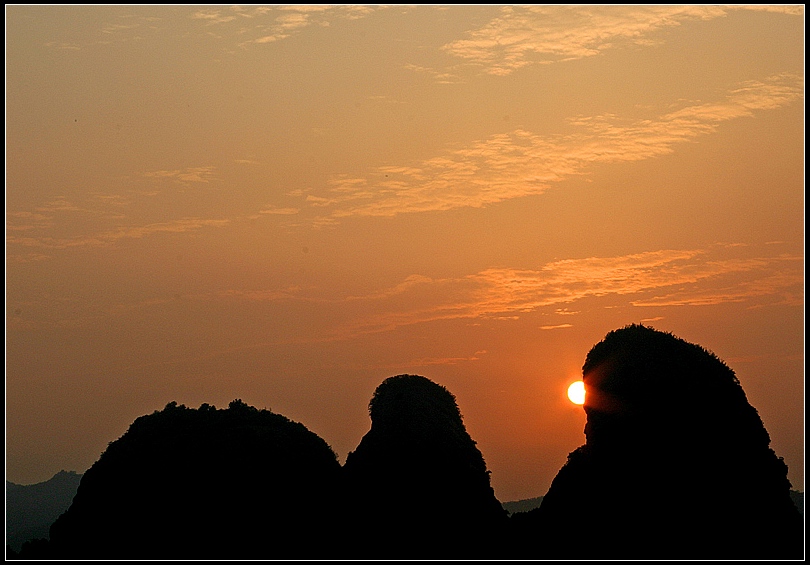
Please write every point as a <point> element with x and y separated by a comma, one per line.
<point>676,465</point>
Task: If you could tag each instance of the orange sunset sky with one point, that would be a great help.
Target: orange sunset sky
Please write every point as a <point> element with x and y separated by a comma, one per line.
<point>288,204</point>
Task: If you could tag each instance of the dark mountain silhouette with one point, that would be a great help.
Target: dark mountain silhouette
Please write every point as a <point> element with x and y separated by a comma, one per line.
<point>205,483</point>
<point>798,499</point>
<point>529,504</point>
<point>31,509</point>
<point>523,505</point>
<point>676,465</point>
<point>671,443</point>
<point>418,485</point>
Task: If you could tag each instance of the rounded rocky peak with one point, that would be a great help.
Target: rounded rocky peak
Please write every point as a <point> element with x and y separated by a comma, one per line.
<point>412,396</point>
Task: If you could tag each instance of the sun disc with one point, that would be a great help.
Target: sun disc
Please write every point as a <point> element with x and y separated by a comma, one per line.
<point>576,392</point>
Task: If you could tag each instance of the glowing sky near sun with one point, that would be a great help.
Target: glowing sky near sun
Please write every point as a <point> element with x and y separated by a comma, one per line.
<point>288,204</point>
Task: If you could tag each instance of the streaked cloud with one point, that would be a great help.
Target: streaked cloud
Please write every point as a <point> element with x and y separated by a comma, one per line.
<point>26,221</point>
<point>122,28</point>
<point>109,237</point>
<point>785,288</point>
<point>244,25</point>
<point>442,76</point>
<point>116,28</point>
<point>27,257</point>
<point>187,175</point>
<point>526,35</point>
<point>59,204</point>
<point>664,278</point>
<point>54,213</point>
<point>520,163</point>
<point>260,295</point>
<point>280,211</point>
<point>214,16</point>
<point>103,218</point>
<point>432,361</point>
<point>64,45</point>
<point>100,219</point>
<point>264,24</point>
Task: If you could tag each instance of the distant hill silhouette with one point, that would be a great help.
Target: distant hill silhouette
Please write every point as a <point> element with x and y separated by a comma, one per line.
<point>205,483</point>
<point>523,505</point>
<point>798,499</point>
<point>31,509</point>
<point>418,485</point>
<point>671,444</point>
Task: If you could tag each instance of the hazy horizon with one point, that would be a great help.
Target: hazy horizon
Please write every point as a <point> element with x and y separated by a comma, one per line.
<point>289,204</point>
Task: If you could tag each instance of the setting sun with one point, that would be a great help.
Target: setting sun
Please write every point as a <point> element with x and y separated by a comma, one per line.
<point>576,392</point>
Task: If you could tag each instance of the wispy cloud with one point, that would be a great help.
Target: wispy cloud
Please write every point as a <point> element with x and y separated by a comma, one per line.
<point>525,35</point>
<point>786,287</point>
<point>109,237</point>
<point>696,277</point>
<point>26,221</point>
<point>235,25</point>
<point>664,278</point>
<point>99,219</point>
<point>59,204</point>
<point>122,28</point>
<point>669,278</point>
<point>215,16</point>
<point>260,295</point>
<point>64,45</point>
<point>266,24</point>
<point>187,175</point>
<point>22,258</point>
<point>280,211</point>
<point>442,76</point>
<point>432,361</point>
<point>520,163</point>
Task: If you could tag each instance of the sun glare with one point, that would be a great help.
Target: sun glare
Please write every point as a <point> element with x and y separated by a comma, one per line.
<point>576,392</point>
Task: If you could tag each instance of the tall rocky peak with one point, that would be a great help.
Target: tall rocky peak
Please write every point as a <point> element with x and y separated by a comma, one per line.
<point>652,388</point>
<point>667,417</point>
<point>417,483</point>
<point>205,483</point>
